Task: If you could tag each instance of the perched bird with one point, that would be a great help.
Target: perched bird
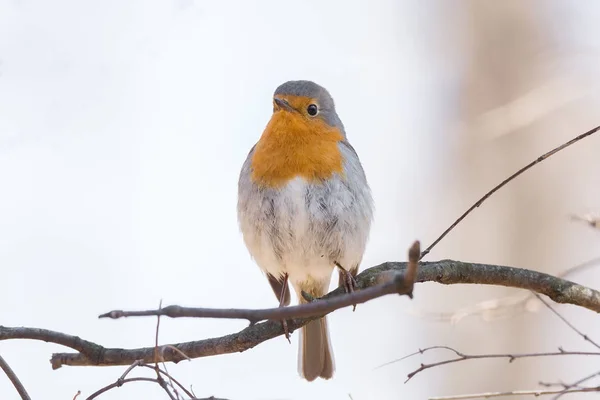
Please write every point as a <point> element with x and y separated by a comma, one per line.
<point>304,207</point>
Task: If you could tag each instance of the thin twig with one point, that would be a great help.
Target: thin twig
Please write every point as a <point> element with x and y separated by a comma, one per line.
<point>119,384</point>
<point>14,379</point>
<point>316,308</point>
<point>575,385</point>
<point>463,357</point>
<point>157,370</point>
<point>534,393</point>
<point>156,336</point>
<point>567,386</point>
<point>507,180</point>
<point>563,319</point>
<point>170,377</point>
<point>131,367</point>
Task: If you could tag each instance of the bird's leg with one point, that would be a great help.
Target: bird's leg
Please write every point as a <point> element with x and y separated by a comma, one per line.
<point>348,281</point>
<point>284,288</point>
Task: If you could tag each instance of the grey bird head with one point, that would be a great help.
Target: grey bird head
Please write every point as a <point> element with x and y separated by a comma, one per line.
<point>321,103</point>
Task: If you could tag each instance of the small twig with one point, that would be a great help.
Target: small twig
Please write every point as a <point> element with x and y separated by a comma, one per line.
<point>399,285</point>
<point>156,336</point>
<point>507,180</point>
<point>14,379</point>
<point>563,319</point>
<point>119,384</point>
<point>131,367</point>
<point>188,393</point>
<point>590,219</point>
<point>413,264</point>
<point>535,393</point>
<point>157,369</point>
<point>463,357</point>
<point>575,385</point>
<point>175,349</point>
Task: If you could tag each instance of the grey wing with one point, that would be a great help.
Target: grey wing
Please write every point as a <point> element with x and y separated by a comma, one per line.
<point>352,159</point>
<point>258,214</point>
<point>356,182</point>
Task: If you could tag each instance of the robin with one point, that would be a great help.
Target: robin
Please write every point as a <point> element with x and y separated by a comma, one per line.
<point>305,208</point>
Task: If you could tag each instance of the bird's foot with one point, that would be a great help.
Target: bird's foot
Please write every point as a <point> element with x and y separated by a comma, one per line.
<point>284,323</point>
<point>349,282</point>
<point>286,330</point>
<point>308,297</point>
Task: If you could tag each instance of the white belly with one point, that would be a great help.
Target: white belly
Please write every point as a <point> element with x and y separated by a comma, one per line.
<point>302,229</point>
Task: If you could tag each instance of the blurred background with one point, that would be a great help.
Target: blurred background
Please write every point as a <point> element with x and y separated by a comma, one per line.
<point>123,126</point>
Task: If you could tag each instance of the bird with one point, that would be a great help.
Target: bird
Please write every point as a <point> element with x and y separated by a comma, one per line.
<point>305,208</point>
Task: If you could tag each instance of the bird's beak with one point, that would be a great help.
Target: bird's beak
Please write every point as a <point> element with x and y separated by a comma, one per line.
<point>282,104</point>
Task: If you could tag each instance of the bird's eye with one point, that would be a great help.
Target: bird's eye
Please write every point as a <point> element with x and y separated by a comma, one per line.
<point>312,110</point>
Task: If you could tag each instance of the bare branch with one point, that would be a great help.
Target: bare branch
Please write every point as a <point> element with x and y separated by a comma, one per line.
<point>171,378</point>
<point>507,180</point>
<point>464,357</point>
<point>566,387</point>
<point>398,284</point>
<point>14,379</point>
<point>445,272</point>
<point>502,307</point>
<point>137,363</point>
<point>535,393</point>
<point>592,220</point>
<point>87,348</point>
<point>570,325</point>
<point>119,383</point>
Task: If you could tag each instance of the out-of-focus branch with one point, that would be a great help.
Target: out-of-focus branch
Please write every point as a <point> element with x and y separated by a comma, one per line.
<point>533,393</point>
<point>566,387</point>
<point>14,379</point>
<point>464,357</point>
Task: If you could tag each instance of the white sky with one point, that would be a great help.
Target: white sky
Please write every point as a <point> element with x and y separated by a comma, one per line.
<point>123,126</point>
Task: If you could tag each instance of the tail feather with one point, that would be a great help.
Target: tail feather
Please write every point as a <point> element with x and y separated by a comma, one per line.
<point>315,355</point>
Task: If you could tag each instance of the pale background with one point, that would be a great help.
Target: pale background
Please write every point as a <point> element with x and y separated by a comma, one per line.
<point>123,125</point>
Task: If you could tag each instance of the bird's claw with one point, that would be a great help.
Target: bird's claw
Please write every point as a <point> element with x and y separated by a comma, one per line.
<point>350,283</point>
<point>286,331</point>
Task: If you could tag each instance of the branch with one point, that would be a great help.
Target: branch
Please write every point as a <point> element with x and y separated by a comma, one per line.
<point>570,325</point>
<point>393,283</point>
<point>574,385</point>
<point>120,383</point>
<point>504,306</point>
<point>14,379</point>
<point>444,272</point>
<point>507,180</point>
<point>464,357</point>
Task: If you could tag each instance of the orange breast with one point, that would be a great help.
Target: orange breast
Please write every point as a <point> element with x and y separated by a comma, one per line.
<point>293,146</point>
